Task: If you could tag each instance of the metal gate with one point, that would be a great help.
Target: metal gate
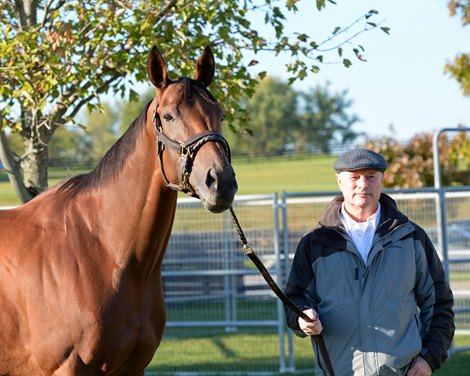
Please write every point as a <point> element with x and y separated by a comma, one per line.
<point>222,319</point>
<point>220,309</point>
<point>302,210</point>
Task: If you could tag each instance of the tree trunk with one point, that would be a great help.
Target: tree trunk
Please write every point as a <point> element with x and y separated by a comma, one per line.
<point>34,167</point>
<point>13,169</point>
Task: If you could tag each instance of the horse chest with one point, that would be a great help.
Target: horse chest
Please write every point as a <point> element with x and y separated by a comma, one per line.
<point>125,350</point>
<point>118,347</point>
<point>127,335</point>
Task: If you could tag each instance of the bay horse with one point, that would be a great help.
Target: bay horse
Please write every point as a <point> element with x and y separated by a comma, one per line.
<point>80,265</point>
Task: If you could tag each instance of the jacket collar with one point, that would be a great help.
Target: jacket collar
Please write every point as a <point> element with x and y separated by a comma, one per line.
<point>390,216</point>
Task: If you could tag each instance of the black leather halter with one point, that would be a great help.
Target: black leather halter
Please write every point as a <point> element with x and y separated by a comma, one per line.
<point>187,150</point>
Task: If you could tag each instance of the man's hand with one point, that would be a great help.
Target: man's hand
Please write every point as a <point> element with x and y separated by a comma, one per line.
<point>419,367</point>
<point>310,328</point>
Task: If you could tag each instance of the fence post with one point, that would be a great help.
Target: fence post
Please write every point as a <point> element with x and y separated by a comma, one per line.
<point>285,249</point>
<point>279,273</point>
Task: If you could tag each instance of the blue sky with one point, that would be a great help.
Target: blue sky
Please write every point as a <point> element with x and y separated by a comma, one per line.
<point>403,82</point>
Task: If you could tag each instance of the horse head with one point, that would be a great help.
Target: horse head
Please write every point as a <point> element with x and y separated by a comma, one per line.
<point>194,156</point>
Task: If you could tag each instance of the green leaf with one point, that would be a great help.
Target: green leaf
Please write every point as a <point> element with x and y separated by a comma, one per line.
<point>358,54</point>
<point>302,37</point>
<point>320,4</point>
<point>371,13</point>
<point>385,29</point>
<point>337,28</point>
<point>133,96</point>
<point>347,63</point>
<point>315,69</point>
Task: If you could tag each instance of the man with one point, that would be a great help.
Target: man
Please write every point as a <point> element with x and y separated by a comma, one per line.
<point>371,280</point>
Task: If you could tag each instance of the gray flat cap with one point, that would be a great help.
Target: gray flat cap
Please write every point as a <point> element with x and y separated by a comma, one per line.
<point>360,159</point>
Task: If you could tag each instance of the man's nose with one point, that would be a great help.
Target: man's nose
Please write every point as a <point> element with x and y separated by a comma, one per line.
<point>362,181</point>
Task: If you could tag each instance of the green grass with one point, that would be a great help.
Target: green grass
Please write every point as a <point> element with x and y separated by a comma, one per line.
<point>254,176</point>
<point>241,352</point>
<point>459,363</point>
<point>216,350</point>
<point>290,174</point>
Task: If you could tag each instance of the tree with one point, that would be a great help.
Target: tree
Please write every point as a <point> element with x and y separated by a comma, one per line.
<point>460,67</point>
<point>101,132</point>
<point>57,57</point>
<point>325,119</point>
<point>411,165</point>
<point>280,116</point>
<point>130,109</point>
<point>273,114</point>
<point>62,146</point>
<point>100,129</point>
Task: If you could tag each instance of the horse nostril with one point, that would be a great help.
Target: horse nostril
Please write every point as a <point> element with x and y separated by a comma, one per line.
<point>211,179</point>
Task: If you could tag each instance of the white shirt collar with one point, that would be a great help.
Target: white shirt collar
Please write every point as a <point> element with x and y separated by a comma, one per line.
<point>361,233</point>
<point>374,219</point>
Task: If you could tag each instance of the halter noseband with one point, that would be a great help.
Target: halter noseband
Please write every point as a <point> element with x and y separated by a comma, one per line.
<point>187,150</point>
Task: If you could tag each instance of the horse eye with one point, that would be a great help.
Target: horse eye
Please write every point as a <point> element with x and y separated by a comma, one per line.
<point>167,117</point>
<point>223,118</point>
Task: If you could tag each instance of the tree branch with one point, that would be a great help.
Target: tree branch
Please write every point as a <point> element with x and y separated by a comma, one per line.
<point>100,90</point>
<point>66,100</point>
<point>164,12</point>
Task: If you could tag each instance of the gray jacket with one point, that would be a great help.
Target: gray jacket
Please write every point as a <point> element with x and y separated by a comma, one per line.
<point>377,316</point>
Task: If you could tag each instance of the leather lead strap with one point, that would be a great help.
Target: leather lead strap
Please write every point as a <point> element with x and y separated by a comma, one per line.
<point>248,250</point>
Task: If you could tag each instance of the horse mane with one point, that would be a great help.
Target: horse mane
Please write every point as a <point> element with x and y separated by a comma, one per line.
<point>112,162</point>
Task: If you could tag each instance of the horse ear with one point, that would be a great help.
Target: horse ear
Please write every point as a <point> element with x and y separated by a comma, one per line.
<point>156,68</point>
<point>205,67</point>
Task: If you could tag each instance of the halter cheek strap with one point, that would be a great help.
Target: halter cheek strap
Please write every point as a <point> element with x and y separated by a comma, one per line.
<point>187,151</point>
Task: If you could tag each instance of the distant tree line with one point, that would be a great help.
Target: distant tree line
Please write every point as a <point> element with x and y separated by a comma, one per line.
<point>281,120</point>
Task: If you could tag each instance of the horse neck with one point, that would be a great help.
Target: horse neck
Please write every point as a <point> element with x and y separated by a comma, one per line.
<point>135,210</point>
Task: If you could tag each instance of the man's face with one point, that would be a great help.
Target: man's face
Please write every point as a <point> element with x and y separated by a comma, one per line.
<point>361,189</point>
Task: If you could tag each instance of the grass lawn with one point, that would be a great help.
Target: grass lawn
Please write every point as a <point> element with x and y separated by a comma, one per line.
<point>225,353</point>
<point>289,174</point>
<point>254,176</point>
<point>56,174</point>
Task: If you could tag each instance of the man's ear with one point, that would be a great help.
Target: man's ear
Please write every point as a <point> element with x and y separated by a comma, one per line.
<point>338,180</point>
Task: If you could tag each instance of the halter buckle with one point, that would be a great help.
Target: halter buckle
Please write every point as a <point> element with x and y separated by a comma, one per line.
<point>184,151</point>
